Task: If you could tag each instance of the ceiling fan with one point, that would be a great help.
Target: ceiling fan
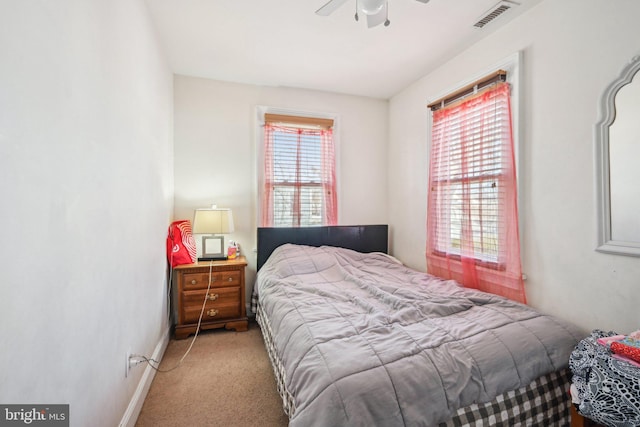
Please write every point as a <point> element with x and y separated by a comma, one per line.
<point>376,11</point>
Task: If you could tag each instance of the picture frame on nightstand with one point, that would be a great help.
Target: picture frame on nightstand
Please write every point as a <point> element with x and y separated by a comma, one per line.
<point>213,248</point>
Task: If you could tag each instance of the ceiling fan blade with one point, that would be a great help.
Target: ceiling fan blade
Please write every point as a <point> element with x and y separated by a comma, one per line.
<point>330,7</point>
<point>378,18</point>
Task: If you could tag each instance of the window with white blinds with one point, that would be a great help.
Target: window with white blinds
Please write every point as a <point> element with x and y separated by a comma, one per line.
<point>467,176</point>
<point>299,183</point>
<point>472,207</point>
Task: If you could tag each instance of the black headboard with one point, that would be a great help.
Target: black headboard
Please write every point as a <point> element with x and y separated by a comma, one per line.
<point>361,238</point>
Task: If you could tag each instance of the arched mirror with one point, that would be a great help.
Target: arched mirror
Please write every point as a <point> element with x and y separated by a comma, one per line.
<point>617,140</point>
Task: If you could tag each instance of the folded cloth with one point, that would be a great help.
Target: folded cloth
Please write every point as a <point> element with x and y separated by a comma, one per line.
<point>626,359</point>
<point>627,347</point>
<point>575,394</point>
<point>608,340</point>
<point>606,386</point>
<point>633,342</point>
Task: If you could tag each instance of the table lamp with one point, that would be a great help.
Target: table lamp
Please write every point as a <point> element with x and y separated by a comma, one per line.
<point>214,222</point>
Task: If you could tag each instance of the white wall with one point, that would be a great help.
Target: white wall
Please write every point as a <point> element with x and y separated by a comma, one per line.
<point>215,147</point>
<point>572,49</point>
<point>86,189</point>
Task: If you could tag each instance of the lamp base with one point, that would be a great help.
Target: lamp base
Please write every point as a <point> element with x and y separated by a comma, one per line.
<point>213,258</point>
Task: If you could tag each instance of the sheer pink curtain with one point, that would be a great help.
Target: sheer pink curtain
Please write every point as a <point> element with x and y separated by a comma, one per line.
<point>472,218</point>
<point>330,199</point>
<point>327,173</point>
<point>267,190</point>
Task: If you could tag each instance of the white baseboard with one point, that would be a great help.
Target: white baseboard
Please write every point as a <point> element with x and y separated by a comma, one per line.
<point>135,404</point>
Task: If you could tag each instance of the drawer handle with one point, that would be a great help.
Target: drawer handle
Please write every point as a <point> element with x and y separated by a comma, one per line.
<point>212,313</point>
<point>193,282</point>
<point>212,297</point>
<point>231,279</point>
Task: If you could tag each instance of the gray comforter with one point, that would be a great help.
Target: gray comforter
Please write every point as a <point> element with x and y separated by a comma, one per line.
<point>364,340</point>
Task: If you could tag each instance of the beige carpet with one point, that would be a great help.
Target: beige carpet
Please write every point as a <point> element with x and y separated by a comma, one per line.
<point>226,380</point>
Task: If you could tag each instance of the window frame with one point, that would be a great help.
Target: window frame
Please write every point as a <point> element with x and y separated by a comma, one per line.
<point>261,112</point>
<point>453,183</point>
<point>512,65</point>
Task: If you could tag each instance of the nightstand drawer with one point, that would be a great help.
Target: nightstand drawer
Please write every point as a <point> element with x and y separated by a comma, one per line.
<point>218,278</point>
<point>221,303</point>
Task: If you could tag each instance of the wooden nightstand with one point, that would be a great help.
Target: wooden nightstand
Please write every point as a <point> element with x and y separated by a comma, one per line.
<point>225,306</point>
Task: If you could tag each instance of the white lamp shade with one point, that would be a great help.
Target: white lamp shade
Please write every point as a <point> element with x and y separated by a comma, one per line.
<point>212,221</point>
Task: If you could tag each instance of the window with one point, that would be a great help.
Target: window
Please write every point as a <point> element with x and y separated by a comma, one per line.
<point>472,206</point>
<point>299,172</point>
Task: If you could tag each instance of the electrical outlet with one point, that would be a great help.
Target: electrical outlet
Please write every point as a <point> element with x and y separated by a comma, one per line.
<point>127,363</point>
<point>132,360</point>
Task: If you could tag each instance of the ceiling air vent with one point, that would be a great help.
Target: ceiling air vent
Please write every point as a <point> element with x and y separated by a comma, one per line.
<point>494,12</point>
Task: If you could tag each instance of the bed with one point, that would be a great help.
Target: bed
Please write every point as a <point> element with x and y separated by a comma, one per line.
<point>357,338</point>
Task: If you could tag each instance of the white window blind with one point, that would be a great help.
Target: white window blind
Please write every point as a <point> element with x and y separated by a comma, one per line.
<point>297,178</point>
<point>468,178</point>
<point>472,218</point>
<point>299,173</point>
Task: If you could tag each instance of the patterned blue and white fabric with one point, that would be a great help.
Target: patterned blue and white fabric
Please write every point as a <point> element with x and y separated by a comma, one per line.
<point>608,388</point>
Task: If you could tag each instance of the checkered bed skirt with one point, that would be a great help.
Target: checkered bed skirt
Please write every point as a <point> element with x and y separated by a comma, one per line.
<point>544,402</point>
<point>288,403</point>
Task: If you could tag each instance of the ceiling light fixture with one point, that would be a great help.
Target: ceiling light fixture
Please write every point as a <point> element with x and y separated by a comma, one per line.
<point>371,7</point>
<point>376,11</point>
<point>386,17</point>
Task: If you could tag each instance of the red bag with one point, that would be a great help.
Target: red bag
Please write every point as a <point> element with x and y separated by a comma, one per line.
<point>181,247</point>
